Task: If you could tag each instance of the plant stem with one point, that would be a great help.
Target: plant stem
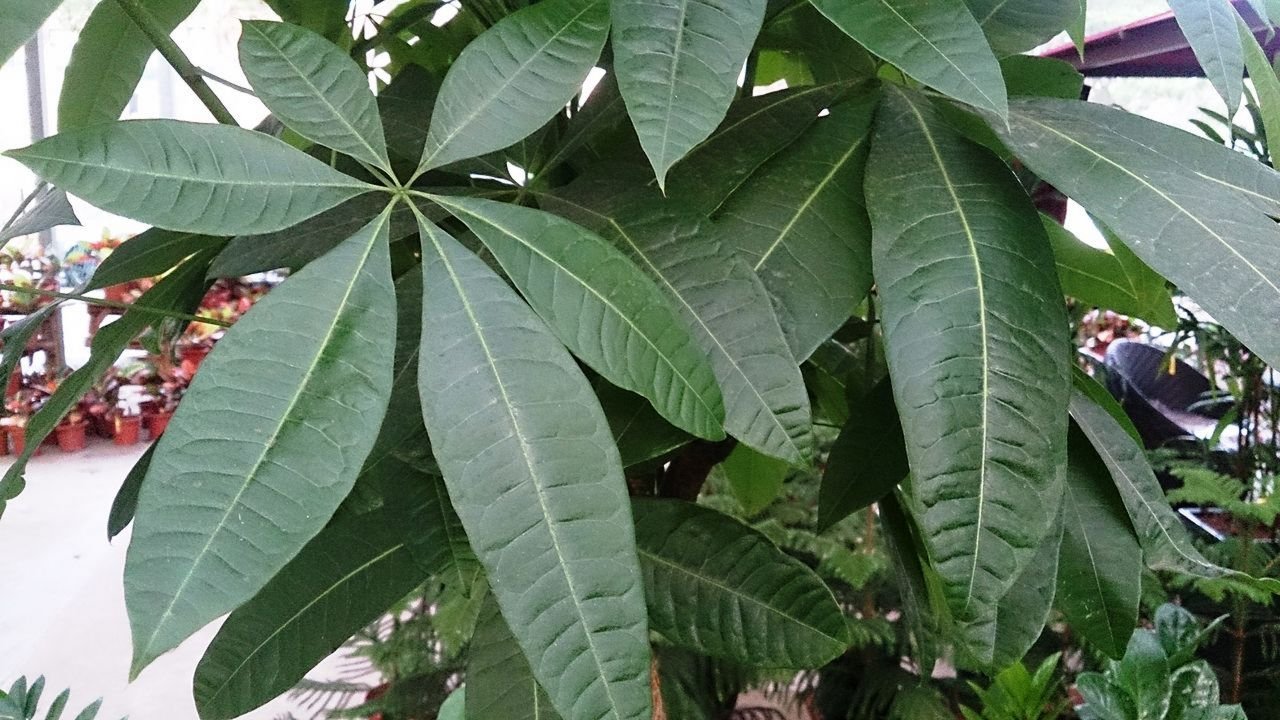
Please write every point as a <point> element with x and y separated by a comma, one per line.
<point>103,302</point>
<point>189,73</point>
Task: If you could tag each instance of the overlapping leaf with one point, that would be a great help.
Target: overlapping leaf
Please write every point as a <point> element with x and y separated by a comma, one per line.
<point>22,18</point>
<point>720,587</point>
<point>287,406</point>
<point>678,63</point>
<point>604,307</point>
<point>534,475</point>
<point>501,685</point>
<point>1016,27</point>
<point>150,253</point>
<point>980,376</point>
<point>45,208</point>
<point>1210,27</point>
<point>639,431</point>
<point>1024,610</point>
<point>867,460</point>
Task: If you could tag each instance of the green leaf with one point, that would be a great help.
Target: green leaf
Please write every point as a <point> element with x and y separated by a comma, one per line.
<point>938,43</point>
<point>513,78</point>
<point>1041,77</point>
<point>719,587</point>
<point>327,17</point>
<point>90,712</point>
<point>314,88</point>
<point>639,431</point>
<point>1103,398</point>
<point>678,63</point>
<point>1016,27</point>
<point>1100,568</point>
<point>1194,686</point>
<point>108,60</point>
<point>1210,27</point>
<point>22,19</point>
<point>150,254</point>
<point>755,479</point>
<point>604,307</point>
<point>312,375</point>
<point>1265,81</point>
<point>980,375</point>
<point>125,504</point>
<point>455,706</point>
<point>727,307</point>
<point>58,705</point>
<point>502,684</point>
<point>1180,633</point>
<point>924,610</point>
<point>211,179</point>
<point>683,681</point>
<point>1144,672</point>
<point>867,461</point>
<point>1024,610</point>
<point>801,224</point>
<point>403,104</point>
<point>1194,211</point>
<point>1104,700</point>
<point>45,208</point>
<point>1076,29</point>
<point>1164,540</point>
<point>1112,280</point>
<point>520,436</point>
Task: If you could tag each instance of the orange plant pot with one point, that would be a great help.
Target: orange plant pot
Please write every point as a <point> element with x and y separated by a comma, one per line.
<point>128,429</point>
<point>71,436</point>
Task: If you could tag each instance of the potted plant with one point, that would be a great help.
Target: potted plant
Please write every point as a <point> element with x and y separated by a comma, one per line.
<point>127,427</point>
<point>71,432</point>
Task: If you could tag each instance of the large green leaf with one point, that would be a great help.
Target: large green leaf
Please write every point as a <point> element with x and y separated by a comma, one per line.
<point>1100,568</point>
<point>1024,610</point>
<point>108,60</point>
<point>150,253</point>
<point>938,43</point>
<point>502,686</point>
<point>975,341</point>
<point>1194,211</point>
<point>726,305</point>
<point>22,18</point>
<point>1266,83</point>
<point>1210,27</point>
<point>719,587</point>
<point>1115,280</point>
<point>513,78</point>
<point>867,460</point>
<point>678,63</point>
<point>605,308</point>
<point>212,179</point>
<point>314,88</point>
<point>534,475</point>
<point>801,223</point>
<point>267,442</point>
<point>1015,27</point>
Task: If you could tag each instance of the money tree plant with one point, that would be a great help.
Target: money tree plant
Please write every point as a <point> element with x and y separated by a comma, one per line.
<point>573,254</point>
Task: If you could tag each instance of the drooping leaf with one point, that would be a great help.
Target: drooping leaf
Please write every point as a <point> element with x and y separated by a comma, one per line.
<point>1112,280</point>
<point>1193,211</point>
<point>22,19</point>
<point>47,207</point>
<point>513,78</point>
<point>1100,568</point>
<point>315,88</point>
<point>868,459</point>
<point>519,435</point>
<point>604,307</point>
<point>502,686</point>
<point>980,374</point>
<point>1265,81</point>
<point>801,224</point>
<point>938,43</point>
<point>728,310</point>
<point>1016,27</point>
<point>1024,610</point>
<point>268,458</point>
<point>719,587</point>
<point>1210,27</point>
<point>193,177</point>
<point>150,253</point>
<point>755,479</point>
<point>677,63</point>
<point>108,61</point>
<point>125,503</point>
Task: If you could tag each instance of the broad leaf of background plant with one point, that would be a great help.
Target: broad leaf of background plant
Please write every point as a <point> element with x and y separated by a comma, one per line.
<point>1016,27</point>
<point>801,224</point>
<point>867,460</point>
<point>1100,567</point>
<point>314,88</point>
<point>22,18</point>
<point>938,43</point>
<point>108,60</point>
<point>976,345</point>
<point>719,587</point>
<point>725,305</point>
<point>678,63</point>
<point>1210,27</point>
<point>1193,210</point>
<point>603,307</point>
<point>212,179</point>
<point>1111,280</point>
<point>249,470</point>
<point>501,684</point>
<point>533,473</point>
<point>47,207</point>
<point>755,479</point>
<point>1024,610</point>
<point>509,81</point>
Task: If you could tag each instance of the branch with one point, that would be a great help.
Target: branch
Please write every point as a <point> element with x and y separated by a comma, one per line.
<point>189,73</point>
<point>103,302</point>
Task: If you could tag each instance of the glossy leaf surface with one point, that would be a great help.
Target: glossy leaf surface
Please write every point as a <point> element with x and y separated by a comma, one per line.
<point>1016,27</point>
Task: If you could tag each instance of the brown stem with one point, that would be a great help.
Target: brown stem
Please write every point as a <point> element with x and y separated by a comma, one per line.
<point>686,474</point>
<point>655,689</point>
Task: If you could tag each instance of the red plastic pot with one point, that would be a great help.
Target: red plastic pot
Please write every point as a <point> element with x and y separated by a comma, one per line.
<point>18,439</point>
<point>128,428</point>
<point>157,423</point>
<point>192,357</point>
<point>71,436</point>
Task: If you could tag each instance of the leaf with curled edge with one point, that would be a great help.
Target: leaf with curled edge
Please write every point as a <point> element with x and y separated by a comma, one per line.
<point>534,475</point>
<point>266,443</point>
<point>980,377</point>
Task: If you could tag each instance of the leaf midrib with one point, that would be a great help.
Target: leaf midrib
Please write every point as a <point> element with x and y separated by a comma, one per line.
<point>245,182</point>
<point>928,41</point>
<point>1070,497</point>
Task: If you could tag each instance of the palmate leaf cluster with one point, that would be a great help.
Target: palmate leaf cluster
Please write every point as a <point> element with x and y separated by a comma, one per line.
<point>468,364</point>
